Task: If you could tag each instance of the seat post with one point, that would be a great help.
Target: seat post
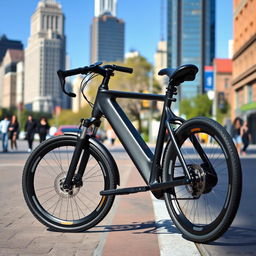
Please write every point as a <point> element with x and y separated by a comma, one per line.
<point>156,166</point>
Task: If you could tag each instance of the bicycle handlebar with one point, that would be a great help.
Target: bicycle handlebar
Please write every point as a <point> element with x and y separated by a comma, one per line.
<point>119,68</point>
<point>94,68</point>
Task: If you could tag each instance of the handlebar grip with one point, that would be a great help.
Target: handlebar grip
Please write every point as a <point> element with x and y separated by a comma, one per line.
<point>62,75</point>
<point>123,69</point>
<point>75,71</point>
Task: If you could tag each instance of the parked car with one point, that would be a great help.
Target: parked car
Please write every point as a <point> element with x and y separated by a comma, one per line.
<point>67,129</point>
<point>101,135</point>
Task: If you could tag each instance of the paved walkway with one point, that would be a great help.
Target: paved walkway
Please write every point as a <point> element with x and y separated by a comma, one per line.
<point>134,226</point>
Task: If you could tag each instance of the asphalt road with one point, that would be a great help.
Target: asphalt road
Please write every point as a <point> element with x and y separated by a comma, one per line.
<point>240,239</point>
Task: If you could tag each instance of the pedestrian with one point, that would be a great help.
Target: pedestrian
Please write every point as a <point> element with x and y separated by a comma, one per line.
<point>4,124</point>
<point>30,129</point>
<point>236,133</point>
<point>43,128</point>
<point>13,131</point>
<point>246,137</point>
<point>111,136</point>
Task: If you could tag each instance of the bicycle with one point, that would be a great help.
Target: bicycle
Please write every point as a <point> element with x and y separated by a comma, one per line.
<point>70,181</point>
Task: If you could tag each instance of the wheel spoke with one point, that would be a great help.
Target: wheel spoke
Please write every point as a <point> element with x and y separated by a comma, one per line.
<point>77,203</point>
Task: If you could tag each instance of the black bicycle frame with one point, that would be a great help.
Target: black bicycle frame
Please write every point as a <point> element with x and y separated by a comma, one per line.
<point>147,163</point>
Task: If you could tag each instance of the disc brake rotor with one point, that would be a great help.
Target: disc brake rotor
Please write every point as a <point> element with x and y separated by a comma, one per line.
<point>197,188</point>
<point>65,193</point>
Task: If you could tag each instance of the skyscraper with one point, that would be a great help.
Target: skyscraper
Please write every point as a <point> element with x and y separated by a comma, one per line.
<point>6,44</point>
<point>191,39</point>
<point>44,55</point>
<point>105,7</point>
<point>107,33</point>
<point>11,59</point>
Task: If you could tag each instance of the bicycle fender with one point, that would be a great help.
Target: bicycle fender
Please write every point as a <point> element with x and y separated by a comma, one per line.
<point>108,157</point>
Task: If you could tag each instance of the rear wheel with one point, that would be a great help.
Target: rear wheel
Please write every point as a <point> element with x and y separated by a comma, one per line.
<point>204,209</point>
<point>78,208</point>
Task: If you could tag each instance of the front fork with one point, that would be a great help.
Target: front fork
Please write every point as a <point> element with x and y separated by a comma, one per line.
<point>82,147</point>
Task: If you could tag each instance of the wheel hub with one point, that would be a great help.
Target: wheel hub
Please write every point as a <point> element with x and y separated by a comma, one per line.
<point>64,192</point>
<point>197,188</point>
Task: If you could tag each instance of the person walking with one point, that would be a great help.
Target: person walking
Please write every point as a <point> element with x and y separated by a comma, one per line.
<point>30,129</point>
<point>4,124</point>
<point>43,128</point>
<point>13,131</point>
<point>111,136</point>
<point>246,137</point>
<point>236,133</point>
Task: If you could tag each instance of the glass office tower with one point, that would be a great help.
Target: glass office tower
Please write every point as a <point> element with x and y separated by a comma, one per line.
<point>107,33</point>
<point>191,39</point>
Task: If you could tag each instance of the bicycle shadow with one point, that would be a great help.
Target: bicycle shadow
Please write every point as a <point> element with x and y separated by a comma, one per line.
<point>149,227</point>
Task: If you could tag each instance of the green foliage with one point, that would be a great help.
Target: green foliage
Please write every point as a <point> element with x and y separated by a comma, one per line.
<point>67,117</point>
<point>223,113</point>
<point>5,111</point>
<point>136,82</point>
<point>197,106</point>
<point>139,81</point>
<point>145,134</point>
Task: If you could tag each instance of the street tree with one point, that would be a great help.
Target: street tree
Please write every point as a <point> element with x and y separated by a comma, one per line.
<point>138,81</point>
<point>200,105</point>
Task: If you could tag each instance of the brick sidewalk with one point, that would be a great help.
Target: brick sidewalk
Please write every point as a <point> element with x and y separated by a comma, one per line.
<point>21,234</point>
<point>133,229</point>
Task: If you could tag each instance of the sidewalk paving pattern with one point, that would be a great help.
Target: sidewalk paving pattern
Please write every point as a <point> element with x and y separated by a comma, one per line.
<point>129,229</point>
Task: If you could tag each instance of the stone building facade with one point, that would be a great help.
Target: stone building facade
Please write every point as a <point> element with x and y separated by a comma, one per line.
<point>9,79</point>
<point>244,63</point>
<point>44,55</point>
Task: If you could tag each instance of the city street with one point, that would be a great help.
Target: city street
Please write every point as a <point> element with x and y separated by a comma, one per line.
<point>241,237</point>
<point>137,224</point>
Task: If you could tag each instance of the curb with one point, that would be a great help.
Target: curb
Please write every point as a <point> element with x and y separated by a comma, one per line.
<point>170,239</point>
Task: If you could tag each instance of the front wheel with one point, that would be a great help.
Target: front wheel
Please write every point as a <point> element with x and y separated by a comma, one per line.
<point>77,209</point>
<point>204,209</point>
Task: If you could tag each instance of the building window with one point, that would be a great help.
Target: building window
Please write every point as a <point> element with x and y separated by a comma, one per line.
<point>10,68</point>
<point>43,22</point>
<point>51,22</point>
<point>237,99</point>
<point>250,93</point>
<point>226,83</point>
<point>56,22</point>
<point>48,21</point>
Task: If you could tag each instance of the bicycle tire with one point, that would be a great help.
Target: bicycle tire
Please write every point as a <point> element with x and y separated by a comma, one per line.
<point>43,175</point>
<point>201,215</point>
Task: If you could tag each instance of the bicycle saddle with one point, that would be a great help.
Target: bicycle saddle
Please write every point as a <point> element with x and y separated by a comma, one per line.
<point>179,75</point>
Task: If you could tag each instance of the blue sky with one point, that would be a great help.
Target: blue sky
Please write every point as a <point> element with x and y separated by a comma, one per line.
<point>142,21</point>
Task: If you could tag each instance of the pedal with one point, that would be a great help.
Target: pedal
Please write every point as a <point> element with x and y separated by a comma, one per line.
<point>124,191</point>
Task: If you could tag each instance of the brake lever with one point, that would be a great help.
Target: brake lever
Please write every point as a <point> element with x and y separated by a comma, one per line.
<point>62,82</point>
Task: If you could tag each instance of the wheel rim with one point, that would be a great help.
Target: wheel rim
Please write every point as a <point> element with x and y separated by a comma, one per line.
<point>66,207</point>
<point>197,210</point>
